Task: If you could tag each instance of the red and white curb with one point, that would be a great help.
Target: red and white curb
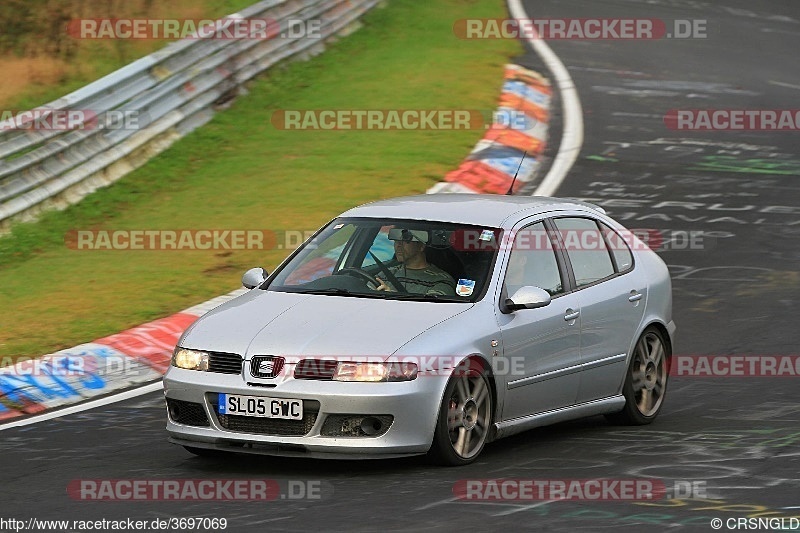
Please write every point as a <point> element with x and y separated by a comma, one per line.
<point>135,356</point>
<point>520,127</point>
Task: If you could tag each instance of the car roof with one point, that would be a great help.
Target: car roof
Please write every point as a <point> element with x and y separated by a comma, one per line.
<point>491,210</point>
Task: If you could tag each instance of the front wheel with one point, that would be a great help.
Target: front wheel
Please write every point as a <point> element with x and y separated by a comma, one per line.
<point>646,380</point>
<point>465,417</point>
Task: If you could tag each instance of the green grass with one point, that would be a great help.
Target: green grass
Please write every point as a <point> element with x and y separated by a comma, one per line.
<point>95,59</point>
<point>240,172</point>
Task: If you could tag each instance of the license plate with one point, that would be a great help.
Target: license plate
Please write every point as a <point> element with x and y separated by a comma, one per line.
<point>261,406</point>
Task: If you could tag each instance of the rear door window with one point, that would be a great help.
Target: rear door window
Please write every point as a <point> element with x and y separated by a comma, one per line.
<point>587,250</point>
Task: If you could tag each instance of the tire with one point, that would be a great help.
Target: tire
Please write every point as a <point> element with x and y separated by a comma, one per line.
<point>465,417</point>
<point>645,380</point>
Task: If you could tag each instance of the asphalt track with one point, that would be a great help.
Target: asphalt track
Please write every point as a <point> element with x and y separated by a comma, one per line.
<point>738,438</point>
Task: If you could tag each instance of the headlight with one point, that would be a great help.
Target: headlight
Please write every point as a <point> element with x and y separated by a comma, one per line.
<point>375,372</point>
<point>190,359</point>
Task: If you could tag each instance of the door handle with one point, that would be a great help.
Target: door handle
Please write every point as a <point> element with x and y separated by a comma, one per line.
<point>635,296</point>
<point>571,315</point>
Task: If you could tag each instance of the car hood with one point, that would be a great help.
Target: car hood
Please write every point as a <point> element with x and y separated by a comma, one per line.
<point>267,322</point>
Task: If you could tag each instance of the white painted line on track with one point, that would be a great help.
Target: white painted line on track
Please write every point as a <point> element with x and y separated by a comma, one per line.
<point>521,508</point>
<point>782,84</point>
<point>572,136</point>
<point>133,393</point>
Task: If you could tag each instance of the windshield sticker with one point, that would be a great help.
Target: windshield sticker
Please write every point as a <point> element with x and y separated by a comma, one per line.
<point>338,226</point>
<point>465,287</point>
<point>486,235</point>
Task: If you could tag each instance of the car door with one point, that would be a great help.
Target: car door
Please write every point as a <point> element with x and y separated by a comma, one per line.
<point>541,346</point>
<point>611,293</point>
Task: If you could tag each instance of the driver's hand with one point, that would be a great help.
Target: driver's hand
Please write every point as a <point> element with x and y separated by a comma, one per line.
<point>383,286</point>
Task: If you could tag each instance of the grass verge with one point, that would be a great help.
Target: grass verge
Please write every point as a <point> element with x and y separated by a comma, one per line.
<point>49,63</point>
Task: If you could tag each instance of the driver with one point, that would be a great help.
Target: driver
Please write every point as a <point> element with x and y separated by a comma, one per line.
<point>413,271</point>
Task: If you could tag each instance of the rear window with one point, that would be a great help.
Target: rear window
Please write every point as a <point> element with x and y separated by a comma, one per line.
<point>621,253</point>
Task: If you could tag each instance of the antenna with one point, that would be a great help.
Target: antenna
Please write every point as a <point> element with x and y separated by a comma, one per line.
<point>511,189</point>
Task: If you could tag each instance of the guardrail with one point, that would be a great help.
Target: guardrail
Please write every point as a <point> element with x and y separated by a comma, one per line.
<point>172,92</point>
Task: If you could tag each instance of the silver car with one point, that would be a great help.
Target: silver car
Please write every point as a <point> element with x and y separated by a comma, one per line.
<point>429,324</point>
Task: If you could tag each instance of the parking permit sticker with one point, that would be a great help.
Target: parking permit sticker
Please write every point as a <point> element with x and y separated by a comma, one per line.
<point>338,226</point>
<point>465,287</point>
<point>486,235</point>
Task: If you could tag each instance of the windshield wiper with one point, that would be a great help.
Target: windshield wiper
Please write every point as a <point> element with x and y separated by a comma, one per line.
<point>332,290</point>
<point>412,296</point>
<point>342,292</point>
<point>381,295</point>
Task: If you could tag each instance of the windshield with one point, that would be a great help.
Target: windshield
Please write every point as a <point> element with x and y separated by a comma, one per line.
<point>393,259</point>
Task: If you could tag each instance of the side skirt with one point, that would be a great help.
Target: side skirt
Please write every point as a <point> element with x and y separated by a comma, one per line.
<point>595,407</point>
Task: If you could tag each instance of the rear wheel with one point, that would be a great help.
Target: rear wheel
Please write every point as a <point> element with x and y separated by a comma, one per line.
<point>465,417</point>
<point>646,380</point>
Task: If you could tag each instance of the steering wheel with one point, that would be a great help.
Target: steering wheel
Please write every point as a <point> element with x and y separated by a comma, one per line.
<point>358,273</point>
<point>392,278</point>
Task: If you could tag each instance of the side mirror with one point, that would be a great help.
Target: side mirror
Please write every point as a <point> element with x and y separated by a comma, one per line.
<point>254,277</point>
<point>528,298</point>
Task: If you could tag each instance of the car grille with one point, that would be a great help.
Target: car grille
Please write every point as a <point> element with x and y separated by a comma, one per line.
<point>272,426</point>
<point>266,366</point>
<point>224,363</point>
<point>187,413</point>
<point>315,369</point>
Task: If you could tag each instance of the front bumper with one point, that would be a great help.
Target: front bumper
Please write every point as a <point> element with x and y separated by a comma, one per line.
<point>413,406</point>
